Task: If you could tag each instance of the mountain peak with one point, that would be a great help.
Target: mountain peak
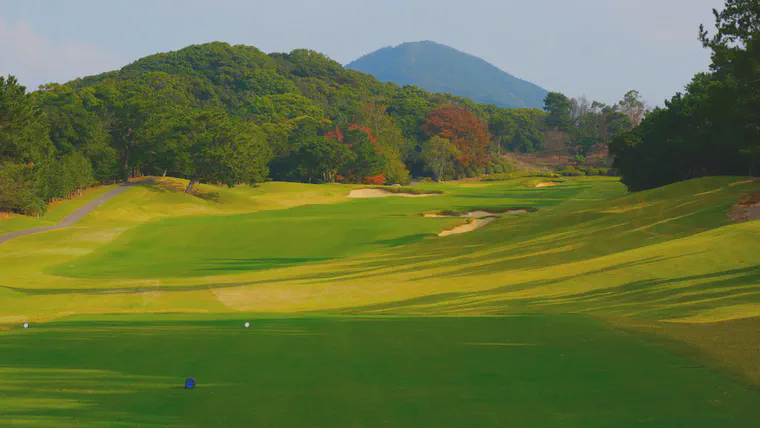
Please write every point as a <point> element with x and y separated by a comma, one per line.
<point>441,68</point>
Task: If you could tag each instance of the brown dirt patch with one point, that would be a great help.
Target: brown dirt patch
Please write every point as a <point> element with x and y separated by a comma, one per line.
<point>746,209</point>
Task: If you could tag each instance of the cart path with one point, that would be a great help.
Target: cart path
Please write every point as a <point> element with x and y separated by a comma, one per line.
<point>71,218</point>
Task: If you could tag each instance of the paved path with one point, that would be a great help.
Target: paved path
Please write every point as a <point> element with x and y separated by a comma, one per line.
<point>71,218</point>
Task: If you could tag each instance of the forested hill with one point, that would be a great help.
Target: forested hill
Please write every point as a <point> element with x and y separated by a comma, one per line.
<point>440,68</point>
<point>232,114</point>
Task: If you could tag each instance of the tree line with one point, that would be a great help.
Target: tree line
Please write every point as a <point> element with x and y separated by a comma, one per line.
<point>584,128</point>
<point>232,115</point>
<point>713,127</point>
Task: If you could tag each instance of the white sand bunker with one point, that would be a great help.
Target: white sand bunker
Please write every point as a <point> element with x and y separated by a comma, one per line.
<point>477,214</point>
<point>469,227</point>
<point>546,184</point>
<point>380,193</point>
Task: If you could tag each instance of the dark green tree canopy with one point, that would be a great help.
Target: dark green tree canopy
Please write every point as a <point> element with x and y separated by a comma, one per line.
<point>558,107</point>
<point>714,127</point>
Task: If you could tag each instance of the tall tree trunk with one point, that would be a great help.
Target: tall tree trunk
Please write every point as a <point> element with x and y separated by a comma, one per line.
<point>190,185</point>
<point>127,150</point>
<point>125,166</point>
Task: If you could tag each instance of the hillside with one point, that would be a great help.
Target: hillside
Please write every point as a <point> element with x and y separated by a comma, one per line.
<point>216,113</point>
<point>146,290</point>
<point>440,68</point>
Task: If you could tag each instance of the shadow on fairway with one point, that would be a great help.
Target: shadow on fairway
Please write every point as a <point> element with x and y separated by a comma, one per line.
<point>255,264</point>
<point>664,296</point>
<point>404,240</point>
<point>43,396</point>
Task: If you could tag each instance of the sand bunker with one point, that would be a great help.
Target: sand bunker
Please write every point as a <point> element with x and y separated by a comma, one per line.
<point>380,193</point>
<point>477,214</point>
<point>546,184</point>
<point>747,209</point>
<point>469,227</point>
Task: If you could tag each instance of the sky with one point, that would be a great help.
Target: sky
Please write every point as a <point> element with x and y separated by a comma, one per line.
<point>597,48</point>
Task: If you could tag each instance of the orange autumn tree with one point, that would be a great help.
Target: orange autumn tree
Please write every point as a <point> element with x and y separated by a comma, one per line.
<point>367,162</point>
<point>392,144</point>
<point>466,131</point>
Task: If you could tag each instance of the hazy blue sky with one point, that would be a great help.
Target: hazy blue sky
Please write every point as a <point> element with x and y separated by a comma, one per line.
<point>600,48</point>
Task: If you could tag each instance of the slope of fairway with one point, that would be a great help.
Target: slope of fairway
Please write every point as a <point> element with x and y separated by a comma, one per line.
<point>214,245</point>
<point>55,213</point>
<point>666,253</point>
<point>531,371</point>
<point>678,280</point>
<point>584,241</point>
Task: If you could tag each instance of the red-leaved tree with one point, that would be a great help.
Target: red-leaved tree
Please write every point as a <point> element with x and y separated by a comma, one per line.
<point>461,127</point>
<point>367,162</point>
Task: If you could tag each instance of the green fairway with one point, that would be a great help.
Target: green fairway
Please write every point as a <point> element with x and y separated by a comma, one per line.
<point>605,308</point>
<point>546,371</point>
<point>211,245</point>
<point>250,242</point>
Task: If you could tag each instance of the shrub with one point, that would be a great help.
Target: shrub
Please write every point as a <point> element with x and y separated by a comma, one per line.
<point>374,179</point>
<point>506,165</point>
<point>591,171</point>
<point>19,193</point>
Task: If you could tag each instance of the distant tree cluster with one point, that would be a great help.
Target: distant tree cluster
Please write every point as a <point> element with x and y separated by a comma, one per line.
<point>582,128</point>
<point>231,115</point>
<point>714,127</point>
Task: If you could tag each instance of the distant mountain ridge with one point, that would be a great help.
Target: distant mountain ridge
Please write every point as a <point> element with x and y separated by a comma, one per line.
<point>440,68</point>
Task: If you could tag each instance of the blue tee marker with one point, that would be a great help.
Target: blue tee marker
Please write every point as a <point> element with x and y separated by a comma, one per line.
<point>190,383</point>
